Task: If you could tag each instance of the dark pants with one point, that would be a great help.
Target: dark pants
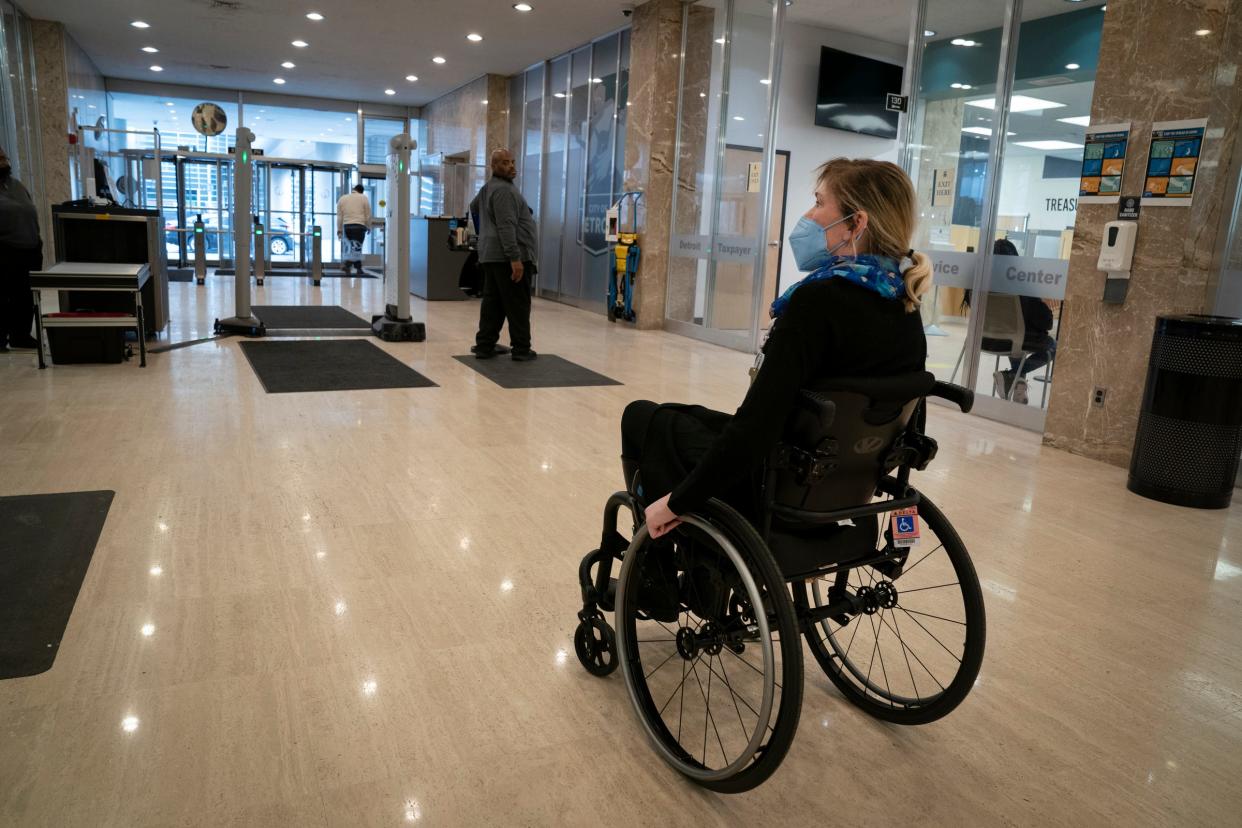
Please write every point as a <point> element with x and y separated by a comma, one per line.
<point>666,441</point>
<point>16,300</point>
<point>504,299</point>
<point>1042,351</point>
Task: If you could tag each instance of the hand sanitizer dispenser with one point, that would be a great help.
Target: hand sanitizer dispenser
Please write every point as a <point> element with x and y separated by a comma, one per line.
<point>1116,254</point>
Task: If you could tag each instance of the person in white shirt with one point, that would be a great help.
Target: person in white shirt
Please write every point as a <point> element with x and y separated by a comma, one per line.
<point>353,219</point>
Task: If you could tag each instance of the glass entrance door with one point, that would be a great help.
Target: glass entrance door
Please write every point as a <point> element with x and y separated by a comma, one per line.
<point>201,195</point>
<point>998,95</point>
<point>283,219</point>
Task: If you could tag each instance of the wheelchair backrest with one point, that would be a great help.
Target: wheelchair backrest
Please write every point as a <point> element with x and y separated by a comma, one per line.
<point>839,438</point>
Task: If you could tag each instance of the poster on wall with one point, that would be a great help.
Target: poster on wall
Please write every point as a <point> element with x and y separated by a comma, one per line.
<point>1103,161</point>
<point>942,186</point>
<point>1173,162</point>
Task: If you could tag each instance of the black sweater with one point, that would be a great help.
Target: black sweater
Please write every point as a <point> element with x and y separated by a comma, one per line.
<point>830,329</point>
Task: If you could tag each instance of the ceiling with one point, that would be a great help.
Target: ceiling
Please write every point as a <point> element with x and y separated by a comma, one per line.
<point>355,53</point>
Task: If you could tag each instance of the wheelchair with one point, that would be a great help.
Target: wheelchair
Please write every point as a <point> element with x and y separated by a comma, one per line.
<point>845,554</point>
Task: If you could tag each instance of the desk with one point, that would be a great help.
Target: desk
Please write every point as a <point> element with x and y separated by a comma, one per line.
<point>93,276</point>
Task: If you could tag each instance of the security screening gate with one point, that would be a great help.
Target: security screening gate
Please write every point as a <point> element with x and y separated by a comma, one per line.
<point>260,253</point>
<point>396,324</point>
<point>316,255</point>
<point>243,320</point>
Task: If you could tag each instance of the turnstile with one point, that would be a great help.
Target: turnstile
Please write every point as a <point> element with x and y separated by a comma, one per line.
<point>200,251</point>
<point>316,255</point>
<point>260,253</point>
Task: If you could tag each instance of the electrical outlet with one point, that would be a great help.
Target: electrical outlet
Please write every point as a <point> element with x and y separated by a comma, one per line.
<point>1097,397</point>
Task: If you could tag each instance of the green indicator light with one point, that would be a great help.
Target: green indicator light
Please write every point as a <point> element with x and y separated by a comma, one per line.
<point>316,234</point>
<point>198,230</point>
<point>245,157</point>
<point>400,166</point>
<point>258,232</point>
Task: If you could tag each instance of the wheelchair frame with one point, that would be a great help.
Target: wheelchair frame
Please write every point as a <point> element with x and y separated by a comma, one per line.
<point>912,450</point>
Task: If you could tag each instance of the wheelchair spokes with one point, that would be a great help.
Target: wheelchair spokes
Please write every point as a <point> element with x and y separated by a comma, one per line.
<point>708,680</point>
<point>909,645</point>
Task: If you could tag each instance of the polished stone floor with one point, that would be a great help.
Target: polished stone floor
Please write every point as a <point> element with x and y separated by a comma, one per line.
<point>357,608</point>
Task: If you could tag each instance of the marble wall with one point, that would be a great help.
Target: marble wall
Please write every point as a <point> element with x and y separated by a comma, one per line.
<point>1152,67</point>
<point>650,141</point>
<point>473,118</point>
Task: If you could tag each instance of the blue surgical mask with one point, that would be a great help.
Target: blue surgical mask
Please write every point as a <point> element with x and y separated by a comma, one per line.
<point>810,249</point>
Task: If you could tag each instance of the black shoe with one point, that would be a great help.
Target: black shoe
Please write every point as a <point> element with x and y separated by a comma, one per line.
<point>524,355</point>
<point>483,353</point>
<point>27,344</point>
<point>491,352</point>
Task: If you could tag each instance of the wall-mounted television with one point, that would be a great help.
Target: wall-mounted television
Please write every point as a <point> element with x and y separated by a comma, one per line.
<point>852,91</point>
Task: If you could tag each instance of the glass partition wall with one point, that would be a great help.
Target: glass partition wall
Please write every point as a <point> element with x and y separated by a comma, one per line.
<point>995,144</point>
<point>721,253</point>
<point>567,130</point>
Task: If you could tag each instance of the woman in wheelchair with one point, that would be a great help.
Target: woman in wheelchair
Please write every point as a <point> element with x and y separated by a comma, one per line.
<point>793,518</point>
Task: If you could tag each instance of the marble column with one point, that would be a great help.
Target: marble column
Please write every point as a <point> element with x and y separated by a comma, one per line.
<point>650,144</point>
<point>52,81</point>
<point>1152,67</point>
<point>497,114</point>
<point>473,118</point>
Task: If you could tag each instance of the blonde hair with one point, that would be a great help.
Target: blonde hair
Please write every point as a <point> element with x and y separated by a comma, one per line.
<point>883,191</point>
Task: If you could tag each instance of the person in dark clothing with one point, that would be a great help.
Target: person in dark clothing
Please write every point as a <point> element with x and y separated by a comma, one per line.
<point>853,316</point>
<point>1037,319</point>
<point>21,251</point>
<point>506,248</point>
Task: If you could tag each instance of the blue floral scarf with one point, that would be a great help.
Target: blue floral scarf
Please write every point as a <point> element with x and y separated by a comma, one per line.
<point>881,274</point>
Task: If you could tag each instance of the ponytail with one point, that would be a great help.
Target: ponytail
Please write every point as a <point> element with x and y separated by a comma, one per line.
<point>918,280</point>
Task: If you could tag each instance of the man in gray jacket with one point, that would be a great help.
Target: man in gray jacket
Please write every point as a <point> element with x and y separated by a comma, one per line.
<point>507,255</point>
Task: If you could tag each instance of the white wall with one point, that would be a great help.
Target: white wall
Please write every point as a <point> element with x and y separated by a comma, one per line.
<point>810,145</point>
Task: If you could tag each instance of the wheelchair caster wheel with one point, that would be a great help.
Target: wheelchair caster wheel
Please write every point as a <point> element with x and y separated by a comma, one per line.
<point>596,645</point>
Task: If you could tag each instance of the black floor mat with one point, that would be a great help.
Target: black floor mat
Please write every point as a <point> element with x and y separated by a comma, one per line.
<point>309,317</point>
<point>548,371</point>
<point>46,544</point>
<point>181,274</point>
<point>328,365</point>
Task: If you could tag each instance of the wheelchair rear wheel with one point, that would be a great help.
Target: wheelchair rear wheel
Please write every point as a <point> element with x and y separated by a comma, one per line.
<point>912,653</point>
<point>714,670</point>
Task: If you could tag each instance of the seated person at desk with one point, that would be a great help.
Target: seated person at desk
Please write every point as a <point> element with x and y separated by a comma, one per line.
<point>852,316</point>
<point>1037,318</point>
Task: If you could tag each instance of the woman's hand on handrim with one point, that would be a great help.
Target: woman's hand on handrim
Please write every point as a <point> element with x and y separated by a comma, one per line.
<point>660,519</point>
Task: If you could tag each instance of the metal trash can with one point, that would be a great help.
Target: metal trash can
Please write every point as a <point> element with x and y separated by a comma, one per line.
<point>1189,433</point>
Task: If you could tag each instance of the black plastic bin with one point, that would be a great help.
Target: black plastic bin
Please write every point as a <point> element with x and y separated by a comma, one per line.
<point>77,346</point>
<point>1190,426</point>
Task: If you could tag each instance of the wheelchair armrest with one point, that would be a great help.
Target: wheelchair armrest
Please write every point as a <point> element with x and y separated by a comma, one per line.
<point>963,397</point>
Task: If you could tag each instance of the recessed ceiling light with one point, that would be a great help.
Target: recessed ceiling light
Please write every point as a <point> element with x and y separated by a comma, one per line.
<point>301,44</point>
<point>766,81</point>
<point>278,81</point>
<point>1072,66</point>
<point>961,41</point>
<point>140,24</point>
<point>169,103</point>
<point>316,16</point>
<point>1077,120</point>
<point>473,37</point>
<point>390,91</point>
<point>1203,32</point>
<point>150,50</point>
<point>438,59</point>
<point>288,64</point>
<point>157,68</point>
<point>928,33</point>
<point>738,118</point>
<point>1019,103</point>
<point>1049,145</point>
<point>410,78</point>
<point>524,7</point>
